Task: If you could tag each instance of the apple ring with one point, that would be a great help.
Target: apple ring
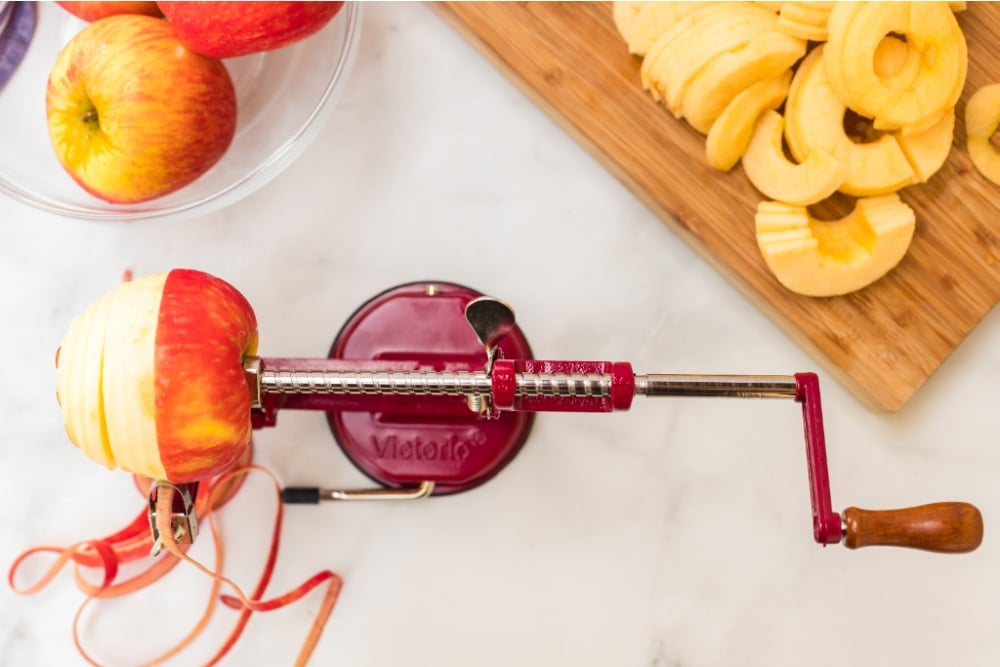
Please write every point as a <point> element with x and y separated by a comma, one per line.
<point>855,31</point>
<point>812,180</point>
<point>982,118</point>
<point>816,258</point>
<point>814,120</point>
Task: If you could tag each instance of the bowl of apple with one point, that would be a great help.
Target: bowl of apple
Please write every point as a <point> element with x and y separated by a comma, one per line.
<point>137,111</point>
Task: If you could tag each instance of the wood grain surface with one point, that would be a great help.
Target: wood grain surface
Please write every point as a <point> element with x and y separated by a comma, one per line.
<point>882,342</point>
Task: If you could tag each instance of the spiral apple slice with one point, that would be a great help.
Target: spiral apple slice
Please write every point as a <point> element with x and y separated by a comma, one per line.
<point>644,22</point>
<point>730,134</point>
<point>812,180</point>
<point>805,20</point>
<point>78,382</point>
<point>624,14</point>
<point>927,151</point>
<point>818,258</point>
<point>982,117</point>
<point>814,120</point>
<point>897,63</point>
<point>855,31</point>
<point>765,56</point>
<point>694,41</point>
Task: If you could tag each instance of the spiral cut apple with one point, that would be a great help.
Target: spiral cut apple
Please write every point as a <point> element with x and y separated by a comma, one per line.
<point>642,23</point>
<point>868,90</point>
<point>806,20</point>
<point>829,258</point>
<point>150,377</point>
<point>814,121</point>
<point>855,31</point>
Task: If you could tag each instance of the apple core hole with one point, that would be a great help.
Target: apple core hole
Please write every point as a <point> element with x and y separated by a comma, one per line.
<point>787,151</point>
<point>834,207</point>
<point>860,129</point>
<point>995,139</point>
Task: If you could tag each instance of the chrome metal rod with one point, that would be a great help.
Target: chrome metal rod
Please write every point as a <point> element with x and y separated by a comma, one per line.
<point>438,383</point>
<point>471,383</point>
<point>442,383</point>
<point>731,386</point>
<point>424,490</point>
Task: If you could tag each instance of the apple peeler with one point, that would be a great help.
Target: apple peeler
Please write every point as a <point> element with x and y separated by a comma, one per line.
<point>430,389</point>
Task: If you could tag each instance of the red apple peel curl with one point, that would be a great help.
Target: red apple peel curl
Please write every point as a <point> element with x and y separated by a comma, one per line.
<point>103,555</point>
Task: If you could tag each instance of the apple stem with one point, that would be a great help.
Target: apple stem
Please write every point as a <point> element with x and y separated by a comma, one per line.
<point>90,116</point>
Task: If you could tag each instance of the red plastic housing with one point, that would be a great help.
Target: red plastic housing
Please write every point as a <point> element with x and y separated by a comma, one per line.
<point>401,441</point>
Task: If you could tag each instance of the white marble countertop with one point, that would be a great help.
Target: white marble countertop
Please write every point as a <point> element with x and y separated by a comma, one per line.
<point>675,534</point>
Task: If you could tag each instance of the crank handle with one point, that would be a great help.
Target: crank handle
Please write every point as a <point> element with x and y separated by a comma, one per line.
<point>948,527</point>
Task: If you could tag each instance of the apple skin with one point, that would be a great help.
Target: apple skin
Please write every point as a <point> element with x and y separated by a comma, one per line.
<point>133,114</point>
<point>91,11</point>
<point>230,29</point>
<point>205,330</point>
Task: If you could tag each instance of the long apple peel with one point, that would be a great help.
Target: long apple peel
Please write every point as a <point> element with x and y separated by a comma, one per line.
<point>107,554</point>
<point>247,604</point>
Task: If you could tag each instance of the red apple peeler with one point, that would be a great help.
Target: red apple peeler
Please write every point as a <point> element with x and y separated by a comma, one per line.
<point>430,388</point>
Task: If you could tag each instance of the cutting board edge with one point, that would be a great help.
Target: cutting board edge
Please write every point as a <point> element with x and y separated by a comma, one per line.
<point>867,398</point>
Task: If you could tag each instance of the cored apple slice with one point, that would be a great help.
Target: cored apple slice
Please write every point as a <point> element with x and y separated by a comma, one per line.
<point>624,14</point>
<point>818,258</point>
<point>814,120</point>
<point>694,41</point>
<point>813,180</point>
<point>982,117</point>
<point>927,151</point>
<point>730,134</point>
<point>805,20</point>
<point>163,356</point>
<point>897,64</point>
<point>642,23</point>
<point>855,32</point>
<point>765,56</point>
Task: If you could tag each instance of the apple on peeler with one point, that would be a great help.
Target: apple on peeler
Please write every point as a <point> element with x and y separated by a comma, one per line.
<point>150,377</point>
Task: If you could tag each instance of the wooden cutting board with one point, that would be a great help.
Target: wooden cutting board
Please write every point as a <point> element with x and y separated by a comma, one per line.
<point>882,342</point>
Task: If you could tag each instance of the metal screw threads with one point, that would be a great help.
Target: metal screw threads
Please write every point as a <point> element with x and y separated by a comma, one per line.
<point>435,383</point>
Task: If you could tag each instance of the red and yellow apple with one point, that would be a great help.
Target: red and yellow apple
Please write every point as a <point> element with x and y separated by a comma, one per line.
<point>230,29</point>
<point>91,11</point>
<point>150,377</point>
<point>134,114</point>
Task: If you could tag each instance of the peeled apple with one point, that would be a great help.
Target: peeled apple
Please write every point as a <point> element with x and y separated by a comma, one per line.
<point>150,377</point>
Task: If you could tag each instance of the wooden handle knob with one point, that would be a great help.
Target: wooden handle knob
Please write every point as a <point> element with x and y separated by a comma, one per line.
<point>943,527</point>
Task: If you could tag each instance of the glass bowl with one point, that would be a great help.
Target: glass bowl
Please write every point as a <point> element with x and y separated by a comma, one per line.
<point>283,99</point>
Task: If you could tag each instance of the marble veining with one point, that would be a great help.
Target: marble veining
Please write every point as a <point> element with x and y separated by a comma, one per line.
<point>677,534</point>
